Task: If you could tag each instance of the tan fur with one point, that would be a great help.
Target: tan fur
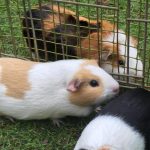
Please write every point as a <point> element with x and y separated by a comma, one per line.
<point>107,27</point>
<point>86,95</point>
<point>14,75</point>
<point>105,148</point>
<point>90,62</point>
<point>90,48</point>
<point>81,18</point>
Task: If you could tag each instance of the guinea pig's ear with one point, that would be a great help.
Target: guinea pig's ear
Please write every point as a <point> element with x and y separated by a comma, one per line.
<point>74,85</point>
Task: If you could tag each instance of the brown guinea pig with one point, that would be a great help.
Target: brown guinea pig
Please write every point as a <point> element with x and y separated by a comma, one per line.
<point>53,31</point>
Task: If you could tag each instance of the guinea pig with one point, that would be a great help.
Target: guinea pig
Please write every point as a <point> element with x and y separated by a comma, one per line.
<point>121,125</point>
<point>62,41</point>
<point>32,90</point>
<point>113,55</point>
<point>56,31</point>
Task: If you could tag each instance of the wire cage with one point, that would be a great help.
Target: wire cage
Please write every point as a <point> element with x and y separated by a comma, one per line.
<point>115,32</point>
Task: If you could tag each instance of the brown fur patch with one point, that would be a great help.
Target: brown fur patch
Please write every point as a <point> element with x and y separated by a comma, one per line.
<point>90,49</point>
<point>86,95</point>
<point>14,75</point>
<point>83,19</point>
<point>107,28</point>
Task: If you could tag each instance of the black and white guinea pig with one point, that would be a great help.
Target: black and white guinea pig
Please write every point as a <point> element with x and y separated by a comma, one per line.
<point>121,125</point>
<point>31,90</point>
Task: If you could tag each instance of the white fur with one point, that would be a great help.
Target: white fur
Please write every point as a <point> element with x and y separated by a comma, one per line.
<point>48,97</point>
<point>135,62</point>
<point>111,131</point>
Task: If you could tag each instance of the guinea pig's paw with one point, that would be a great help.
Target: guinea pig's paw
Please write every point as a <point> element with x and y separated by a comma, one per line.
<point>11,119</point>
<point>97,109</point>
<point>57,122</point>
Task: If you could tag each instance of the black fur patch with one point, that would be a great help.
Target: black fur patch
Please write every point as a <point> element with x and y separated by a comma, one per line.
<point>133,107</point>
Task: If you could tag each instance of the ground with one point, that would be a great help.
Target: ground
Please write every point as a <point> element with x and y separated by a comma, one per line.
<point>40,135</point>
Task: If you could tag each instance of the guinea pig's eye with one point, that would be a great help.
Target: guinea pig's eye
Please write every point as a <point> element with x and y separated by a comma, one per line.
<point>94,83</point>
<point>121,62</point>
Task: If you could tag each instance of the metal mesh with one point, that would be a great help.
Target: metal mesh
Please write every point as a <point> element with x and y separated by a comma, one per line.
<point>111,31</point>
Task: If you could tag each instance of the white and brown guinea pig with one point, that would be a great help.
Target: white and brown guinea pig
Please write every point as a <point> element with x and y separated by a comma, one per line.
<point>113,54</point>
<point>31,90</point>
<point>121,125</point>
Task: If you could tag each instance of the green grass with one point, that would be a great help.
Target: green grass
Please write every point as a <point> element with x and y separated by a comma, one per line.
<point>42,135</point>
